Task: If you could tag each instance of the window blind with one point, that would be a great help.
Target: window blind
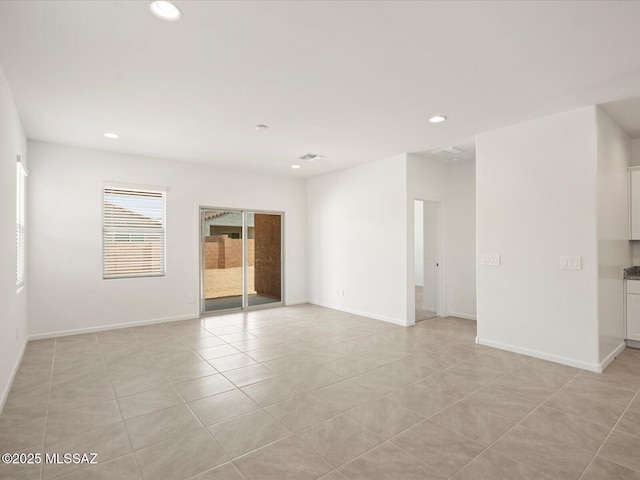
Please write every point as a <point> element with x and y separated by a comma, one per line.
<point>20,223</point>
<point>133,232</point>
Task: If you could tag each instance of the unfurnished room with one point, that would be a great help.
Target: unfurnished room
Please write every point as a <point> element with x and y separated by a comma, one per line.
<point>319,240</point>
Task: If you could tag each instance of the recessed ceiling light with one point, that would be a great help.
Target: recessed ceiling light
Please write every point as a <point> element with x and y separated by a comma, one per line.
<point>261,127</point>
<point>165,10</point>
<point>111,135</point>
<point>437,119</point>
<point>295,165</point>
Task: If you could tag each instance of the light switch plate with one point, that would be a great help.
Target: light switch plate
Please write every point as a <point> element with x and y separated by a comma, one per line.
<point>490,260</point>
<point>571,263</point>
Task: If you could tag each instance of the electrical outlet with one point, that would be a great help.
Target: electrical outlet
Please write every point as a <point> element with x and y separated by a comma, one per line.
<point>571,263</point>
<point>490,260</point>
<point>189,298</point>
<point>340,292</point>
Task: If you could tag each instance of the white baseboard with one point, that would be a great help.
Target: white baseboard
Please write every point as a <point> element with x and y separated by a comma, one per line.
<point>593,367</point>
<point>611,357</point>
<point>7,387</point>
<point>102,328</point>
<point>340,308</point>
<point>466,316</point>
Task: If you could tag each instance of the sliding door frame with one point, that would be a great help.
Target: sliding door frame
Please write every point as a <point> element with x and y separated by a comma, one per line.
<point>245,261</point>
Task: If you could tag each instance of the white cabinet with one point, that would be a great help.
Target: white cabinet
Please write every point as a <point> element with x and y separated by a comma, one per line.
<point>634,203</point>
<point>633,310</point>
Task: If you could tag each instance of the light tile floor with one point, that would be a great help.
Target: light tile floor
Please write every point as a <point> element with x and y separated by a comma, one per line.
<point>309,393</point>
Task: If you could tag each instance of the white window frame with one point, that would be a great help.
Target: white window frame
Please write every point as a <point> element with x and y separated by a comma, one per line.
<point>21,224</point>
<point>109,230</point>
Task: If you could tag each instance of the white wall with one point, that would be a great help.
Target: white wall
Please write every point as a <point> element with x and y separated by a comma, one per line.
<point>65,244</point>
<point>460,240</point>
<point>635,152</point>
<point>614,249</point>
<point>418,250</point>
<point>357,235</point>
<point>428,178</point>
<point>536,202</point>
<point>13,302</point>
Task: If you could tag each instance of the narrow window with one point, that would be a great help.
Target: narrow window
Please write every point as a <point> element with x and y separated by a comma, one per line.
<point>133,232</point>
<point>20,221</point>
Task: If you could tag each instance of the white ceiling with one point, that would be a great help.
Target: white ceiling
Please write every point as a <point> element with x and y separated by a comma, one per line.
<point>354,81</point>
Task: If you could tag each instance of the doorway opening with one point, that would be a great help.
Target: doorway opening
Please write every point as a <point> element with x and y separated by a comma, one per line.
<point>427,258</point>
<point>241,260</point>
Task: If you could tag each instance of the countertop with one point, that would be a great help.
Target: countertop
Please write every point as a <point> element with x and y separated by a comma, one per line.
<point>632,273</point>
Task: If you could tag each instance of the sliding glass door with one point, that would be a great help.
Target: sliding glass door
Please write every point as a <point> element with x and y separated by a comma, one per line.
<point>240,259</point>
<point>222,259</point>
<point>265,258</point>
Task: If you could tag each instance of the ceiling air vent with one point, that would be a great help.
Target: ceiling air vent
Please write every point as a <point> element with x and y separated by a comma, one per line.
<point>310,157</point>
<point>452,150</point>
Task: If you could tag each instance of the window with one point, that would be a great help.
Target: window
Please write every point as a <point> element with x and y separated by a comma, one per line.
<point>20,221</point>
<point>133,232</point>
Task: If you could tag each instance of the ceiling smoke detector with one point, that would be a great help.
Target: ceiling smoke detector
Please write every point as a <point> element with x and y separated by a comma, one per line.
<point>310,157</point>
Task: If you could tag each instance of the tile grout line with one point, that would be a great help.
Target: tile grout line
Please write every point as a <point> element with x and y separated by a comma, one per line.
<point>609,435</point>
<point>115,396</point>
<point>82,468</point>
<point>228,460</point>
<point>469,438</point>
<point>389,440</point>
<point>190,409</point>
<point>308,392</point>
<point>520,422</point>
<point>51,375</point>
<point>46,423</point>
<point>287,325</point>
<point>423,417</point>
<point>517,424</point>
<point>296,434</point>
<point>185,403</point>
<point>292,434</point>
